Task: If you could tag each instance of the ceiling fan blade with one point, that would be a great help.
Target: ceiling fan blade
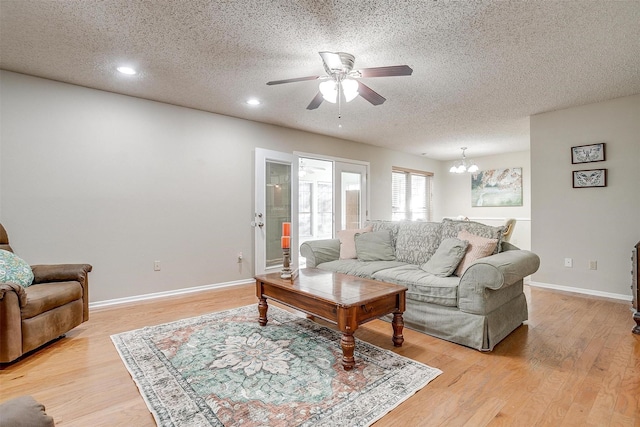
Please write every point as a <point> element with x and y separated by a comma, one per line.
<point>297,79</point>
<point>394,70</point>
<point>315,102</point>
<point>370,95</point>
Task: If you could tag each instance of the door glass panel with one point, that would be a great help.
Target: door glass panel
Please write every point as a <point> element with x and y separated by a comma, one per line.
<point>315,199</point>
<point>278,208</point>
<point>351,200</point>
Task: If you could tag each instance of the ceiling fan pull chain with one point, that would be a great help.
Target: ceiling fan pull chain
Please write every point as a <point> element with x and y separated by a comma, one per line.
<point>339,102</point>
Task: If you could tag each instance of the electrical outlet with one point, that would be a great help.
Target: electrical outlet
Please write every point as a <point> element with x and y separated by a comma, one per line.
<point>568,262</point>
<point>593,265</point>
<point>156,265</point>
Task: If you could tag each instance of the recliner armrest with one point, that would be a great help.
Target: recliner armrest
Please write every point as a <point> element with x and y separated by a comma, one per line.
<point>65,273</point>
<point>15,288</point>
<point>60,273</point>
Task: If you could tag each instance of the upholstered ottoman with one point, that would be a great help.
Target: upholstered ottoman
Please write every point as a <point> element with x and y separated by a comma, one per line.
<point>24,411</point>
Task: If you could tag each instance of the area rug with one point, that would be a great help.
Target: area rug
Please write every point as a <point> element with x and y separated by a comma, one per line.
<point>224,369</point>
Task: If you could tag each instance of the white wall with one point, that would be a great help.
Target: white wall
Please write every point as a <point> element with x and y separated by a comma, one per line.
<point>599,224</point>
<point>118,182</point>
<point>455,195</point>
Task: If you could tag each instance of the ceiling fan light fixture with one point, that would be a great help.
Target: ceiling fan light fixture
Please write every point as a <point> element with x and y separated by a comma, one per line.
<point>350,89</point>
<point>329,91</point>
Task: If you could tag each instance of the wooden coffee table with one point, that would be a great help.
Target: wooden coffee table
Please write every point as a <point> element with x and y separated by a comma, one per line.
<point>345,300</point>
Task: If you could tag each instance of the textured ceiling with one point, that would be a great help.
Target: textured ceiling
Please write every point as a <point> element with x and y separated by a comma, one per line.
<point>480,68</point>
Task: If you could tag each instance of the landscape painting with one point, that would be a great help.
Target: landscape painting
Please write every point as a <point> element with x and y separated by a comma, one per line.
<point>497,187</point>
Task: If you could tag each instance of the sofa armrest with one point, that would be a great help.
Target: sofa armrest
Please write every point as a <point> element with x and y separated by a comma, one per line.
<point>499,270</point>
<point>486,275</point>
<point>319,251</point>
<point>12,298</point>
<point>60,273</point>
<point>21,295</point>
<point>65,273</point>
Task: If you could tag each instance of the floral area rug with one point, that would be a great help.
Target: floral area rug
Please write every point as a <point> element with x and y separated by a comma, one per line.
<point>224,369</point>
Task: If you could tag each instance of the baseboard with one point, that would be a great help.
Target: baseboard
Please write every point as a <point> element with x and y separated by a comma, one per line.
<point>177,292</point>
<point>580,291</point>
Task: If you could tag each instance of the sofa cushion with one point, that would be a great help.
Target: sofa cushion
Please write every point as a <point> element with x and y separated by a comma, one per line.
<point>46,296</point>
<point>479,247</point>
<point>417,241</point>
<point>447,257</point>
<point>375,246</point>
<point>451,228</point>
<point>358,268</point>
<point>348,241</point>
<point>14,269</point>
<point>422,286</point>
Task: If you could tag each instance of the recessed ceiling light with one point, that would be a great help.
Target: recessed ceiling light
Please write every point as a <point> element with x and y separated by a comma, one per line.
<point>126,70</point>
<point>253,101</point>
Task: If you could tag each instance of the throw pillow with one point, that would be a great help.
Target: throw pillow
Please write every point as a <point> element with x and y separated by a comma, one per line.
<point>14,269</point>
<point>479,247</point>
<point>447,257</point>
<point>375,246</point>
<point>451,228</point>
<point>348,241</point>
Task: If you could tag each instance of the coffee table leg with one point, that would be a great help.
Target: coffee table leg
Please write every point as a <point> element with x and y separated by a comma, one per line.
<point>348,344</point>
<point>398,325</point>
<point>262,309</point>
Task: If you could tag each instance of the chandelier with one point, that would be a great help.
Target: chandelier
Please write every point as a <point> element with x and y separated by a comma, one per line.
<point>462,166</point>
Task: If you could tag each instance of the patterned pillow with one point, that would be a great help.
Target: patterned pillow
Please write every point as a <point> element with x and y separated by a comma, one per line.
<point>417,241</point>
<point>14,269</point>
<point>348,241</point>
<point>479,247</point>
<point>451,228</point>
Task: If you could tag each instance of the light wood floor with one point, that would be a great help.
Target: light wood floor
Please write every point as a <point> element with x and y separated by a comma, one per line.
<point>575,362</point>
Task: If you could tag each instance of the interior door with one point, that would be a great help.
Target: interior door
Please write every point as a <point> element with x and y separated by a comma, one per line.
<point>351,208</point>
<point>276,201</point>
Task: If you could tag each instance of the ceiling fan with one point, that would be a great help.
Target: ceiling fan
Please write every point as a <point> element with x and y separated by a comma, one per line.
<point>340,80</point>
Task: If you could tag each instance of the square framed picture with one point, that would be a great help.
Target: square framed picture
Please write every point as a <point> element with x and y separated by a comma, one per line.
<point>588,153</point>
<point>590,178</point>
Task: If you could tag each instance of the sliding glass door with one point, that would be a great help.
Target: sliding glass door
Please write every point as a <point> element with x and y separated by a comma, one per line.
<point>318,196</point>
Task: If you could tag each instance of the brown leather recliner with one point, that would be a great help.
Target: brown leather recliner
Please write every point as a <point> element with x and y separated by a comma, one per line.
<point>56,302</point>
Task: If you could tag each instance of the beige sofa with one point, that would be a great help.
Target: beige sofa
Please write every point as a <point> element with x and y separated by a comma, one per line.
<point>478,309</point>
<point>56,302</point>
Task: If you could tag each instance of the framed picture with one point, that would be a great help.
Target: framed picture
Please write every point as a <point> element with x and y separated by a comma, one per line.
<point>590,178</point>
<point>587,153</point>
<point>497,187</point>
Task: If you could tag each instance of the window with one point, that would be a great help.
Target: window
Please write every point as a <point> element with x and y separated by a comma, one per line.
<point>411,195</point>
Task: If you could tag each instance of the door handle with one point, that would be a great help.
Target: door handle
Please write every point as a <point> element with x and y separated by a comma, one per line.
<point>259,223</point>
